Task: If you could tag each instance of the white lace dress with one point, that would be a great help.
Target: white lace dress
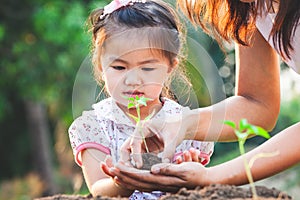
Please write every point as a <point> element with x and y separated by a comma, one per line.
<point>106,127</point>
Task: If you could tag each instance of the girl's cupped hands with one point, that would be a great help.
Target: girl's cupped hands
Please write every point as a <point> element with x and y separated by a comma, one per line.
<point>164,177</point>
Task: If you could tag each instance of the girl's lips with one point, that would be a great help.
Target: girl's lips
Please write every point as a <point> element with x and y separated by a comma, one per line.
<point>133,94</point>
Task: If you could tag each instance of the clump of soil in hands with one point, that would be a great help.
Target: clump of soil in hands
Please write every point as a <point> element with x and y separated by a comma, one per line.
<point>150,159</point>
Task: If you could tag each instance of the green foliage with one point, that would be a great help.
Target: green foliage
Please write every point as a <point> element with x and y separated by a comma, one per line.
<point>288,115</point>
<point>243,131</point>
<point>42,45</point>
<point>61,23</point>
<point>46,54</point>
<point>2,32</point>
<point>136,102</point>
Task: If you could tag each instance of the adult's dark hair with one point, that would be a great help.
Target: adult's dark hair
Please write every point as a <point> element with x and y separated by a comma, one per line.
<point>233,19</point>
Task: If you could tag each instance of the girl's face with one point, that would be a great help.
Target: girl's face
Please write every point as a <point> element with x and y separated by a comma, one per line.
<point>130,69</point>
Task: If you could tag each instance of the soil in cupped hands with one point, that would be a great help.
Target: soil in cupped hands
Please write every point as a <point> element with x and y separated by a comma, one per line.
<point>150,159</point>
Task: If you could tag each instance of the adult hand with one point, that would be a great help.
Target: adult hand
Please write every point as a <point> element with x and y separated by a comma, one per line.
<point>166,133</point>
<point>164,177</point>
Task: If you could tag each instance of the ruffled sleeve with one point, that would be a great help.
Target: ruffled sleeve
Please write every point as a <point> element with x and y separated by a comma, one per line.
<point>88,132</point>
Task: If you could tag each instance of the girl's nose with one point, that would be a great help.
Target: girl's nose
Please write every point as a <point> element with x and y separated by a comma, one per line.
<point>133,77</point>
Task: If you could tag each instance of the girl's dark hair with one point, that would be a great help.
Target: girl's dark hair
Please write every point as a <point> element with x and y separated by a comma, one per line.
<point>137,16</point>
<point>233,19</point>
<point>155,19</point>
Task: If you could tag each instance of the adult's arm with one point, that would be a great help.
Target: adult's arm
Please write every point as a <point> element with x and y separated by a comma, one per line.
<point>283,151</point>
<point>257,96</point>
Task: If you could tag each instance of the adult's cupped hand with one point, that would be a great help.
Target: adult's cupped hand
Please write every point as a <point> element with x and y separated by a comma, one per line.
<point>160,134</point>
<point>164,177</point>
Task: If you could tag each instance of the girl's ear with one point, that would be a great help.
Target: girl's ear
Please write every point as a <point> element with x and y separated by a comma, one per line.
<point>173,65</point>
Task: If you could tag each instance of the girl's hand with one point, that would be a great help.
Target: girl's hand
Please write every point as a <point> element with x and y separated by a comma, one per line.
<point>164,177</point>
<point>193,155</point>
<point>106,165</point>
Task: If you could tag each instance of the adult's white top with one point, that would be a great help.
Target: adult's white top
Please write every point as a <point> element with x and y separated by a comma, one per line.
<point>264,24</point>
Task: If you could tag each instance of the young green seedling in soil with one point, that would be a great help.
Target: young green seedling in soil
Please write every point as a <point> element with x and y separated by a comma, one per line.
<point>137,102</point>
<point>242,132</point>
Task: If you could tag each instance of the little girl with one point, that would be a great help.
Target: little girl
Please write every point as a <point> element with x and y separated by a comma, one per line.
<point>136,45</point>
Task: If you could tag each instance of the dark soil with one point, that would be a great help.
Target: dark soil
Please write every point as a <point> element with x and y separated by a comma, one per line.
<point>212,192</point>
<point>78,197</point>
<point>225,192</point>
<point>150,159</point>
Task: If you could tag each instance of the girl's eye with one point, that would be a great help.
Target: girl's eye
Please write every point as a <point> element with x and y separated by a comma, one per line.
<point>118,67</point>
<point>148,69</point>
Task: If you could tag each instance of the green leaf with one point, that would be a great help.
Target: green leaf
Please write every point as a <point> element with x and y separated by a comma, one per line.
<point>229,123</point>
<point>252,129</point>
<point>136,102</point>
<point>130,99</point>
<point>130,105</point>
<point>143,100</point>
<point>263,133</point>
<point>244,125</point>
<point>259,131</point>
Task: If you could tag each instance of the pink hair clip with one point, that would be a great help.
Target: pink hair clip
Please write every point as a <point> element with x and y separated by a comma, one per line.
<point>116,4</point>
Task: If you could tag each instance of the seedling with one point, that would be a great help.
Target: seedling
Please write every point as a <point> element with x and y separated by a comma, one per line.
<point>242,132</point>
<point>137,102</point>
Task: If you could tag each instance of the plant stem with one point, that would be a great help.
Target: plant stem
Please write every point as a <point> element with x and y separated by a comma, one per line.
<point>248,170</point>
<point>138,111</point>
<point>140,127</point>
<point>242,132</point>
<point>144,140</point>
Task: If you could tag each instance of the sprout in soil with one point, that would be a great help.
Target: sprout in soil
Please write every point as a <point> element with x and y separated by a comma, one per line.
<point>242,132</point>
<point>136,102</point>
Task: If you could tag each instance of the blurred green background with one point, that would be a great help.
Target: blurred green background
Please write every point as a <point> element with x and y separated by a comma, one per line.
<point>44,51</point>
